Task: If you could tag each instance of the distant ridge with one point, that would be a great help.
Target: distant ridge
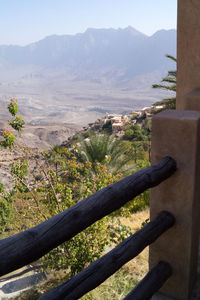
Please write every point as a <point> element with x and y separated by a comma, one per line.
<point>126,49</point>
<point>77,78</point>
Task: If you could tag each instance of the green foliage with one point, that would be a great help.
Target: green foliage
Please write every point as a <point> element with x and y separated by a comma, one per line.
<point>13,107</point>
<point>146,127</point>
<point>139,138</point>
<point>141,201</point>
<point>115,287</point>
<point>95,148</point>
<point>129,134</point>
<point>85,247</point>
<point>145,222</point>
<point>9,139</point>
<point>170,79</point>
<point>64,181</point>
<point>104,149</point>
<point>133,133</point>
<point>63,177</point>
<point>107,126</point>
<point>16,123</point>
<point>5,213</point>
<point>1,187</point>
<point>6,209</point>
<point>20,168</point>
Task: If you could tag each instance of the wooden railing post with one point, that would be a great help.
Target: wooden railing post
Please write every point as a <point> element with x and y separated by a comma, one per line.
<point>188,55</point>
<point>177,134</point>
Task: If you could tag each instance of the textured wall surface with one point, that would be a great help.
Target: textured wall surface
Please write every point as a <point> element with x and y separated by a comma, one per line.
<point>188,53</point>
<point>177,134</point>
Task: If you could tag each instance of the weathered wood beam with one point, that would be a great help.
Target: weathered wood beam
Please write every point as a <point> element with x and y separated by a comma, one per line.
<point>28,246</point>
<point>107,265</point>
<point>151,283</point>
<point>177,133</point>
<point>188,55</point>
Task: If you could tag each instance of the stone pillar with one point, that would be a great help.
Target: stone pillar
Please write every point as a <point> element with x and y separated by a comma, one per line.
<point>188,55</point>
<point>177,134</point>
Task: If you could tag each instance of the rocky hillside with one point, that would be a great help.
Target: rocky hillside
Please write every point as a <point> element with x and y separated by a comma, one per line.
<point>44,136</point>
<point>7,157</point>
<point>116,123</point>
<point>35,139</point>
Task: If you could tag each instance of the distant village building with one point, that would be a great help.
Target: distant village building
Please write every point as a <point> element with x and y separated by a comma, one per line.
<point>117,127</point>
<point>118,122</point>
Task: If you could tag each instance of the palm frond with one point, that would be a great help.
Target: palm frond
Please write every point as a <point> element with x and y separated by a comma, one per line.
<point>168,103</point>
<point>172,73</point>
<point>164,87</point>
<point>169,79</point>
<point>171,57</point>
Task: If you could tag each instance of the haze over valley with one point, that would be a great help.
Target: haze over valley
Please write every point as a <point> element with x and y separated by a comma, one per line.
<point>74,79</point>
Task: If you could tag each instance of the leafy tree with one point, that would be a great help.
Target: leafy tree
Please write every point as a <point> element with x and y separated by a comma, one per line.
<point>139,138</point>
<point>146,127</point>
<point>129,134</point>
<point>133,133</point>
<point>63,182</point>
<point>141,201</point>
<point>6,199</point>
<point>170,79</point>
<point>6,211</point>
<point>16,123</point>
<point>13,107</point>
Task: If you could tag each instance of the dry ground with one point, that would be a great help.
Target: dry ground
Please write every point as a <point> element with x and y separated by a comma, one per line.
<point>139,265</point>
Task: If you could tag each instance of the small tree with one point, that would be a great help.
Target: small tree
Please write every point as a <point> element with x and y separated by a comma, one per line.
<point>6,197</point>
<point>16,123</point>
<point>63,182</point>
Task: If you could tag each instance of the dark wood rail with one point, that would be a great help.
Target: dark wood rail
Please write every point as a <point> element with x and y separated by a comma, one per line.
<point>25,247</point>
<point>108,264</point>
<point>151,283</point>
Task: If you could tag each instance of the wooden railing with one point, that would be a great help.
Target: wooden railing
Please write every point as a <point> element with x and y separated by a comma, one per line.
<point>28,246</point>
<point>107,265</point>
<point>151,283</point>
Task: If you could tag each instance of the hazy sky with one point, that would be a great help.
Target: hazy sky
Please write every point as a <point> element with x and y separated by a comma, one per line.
<point>26,21</point>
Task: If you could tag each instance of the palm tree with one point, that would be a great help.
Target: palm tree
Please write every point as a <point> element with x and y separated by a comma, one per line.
<point>102,148</point>
<point>94,148</point>
<point>168,103</point>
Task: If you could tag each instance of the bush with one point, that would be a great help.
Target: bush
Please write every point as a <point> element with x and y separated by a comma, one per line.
<point>16,123</point>
<point>9,139</point>
<point>63,182</point>
<point>6,210</point>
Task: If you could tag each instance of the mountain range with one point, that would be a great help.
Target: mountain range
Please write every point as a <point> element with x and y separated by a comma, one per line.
<point>127,50</point>
<point>77,78</point>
